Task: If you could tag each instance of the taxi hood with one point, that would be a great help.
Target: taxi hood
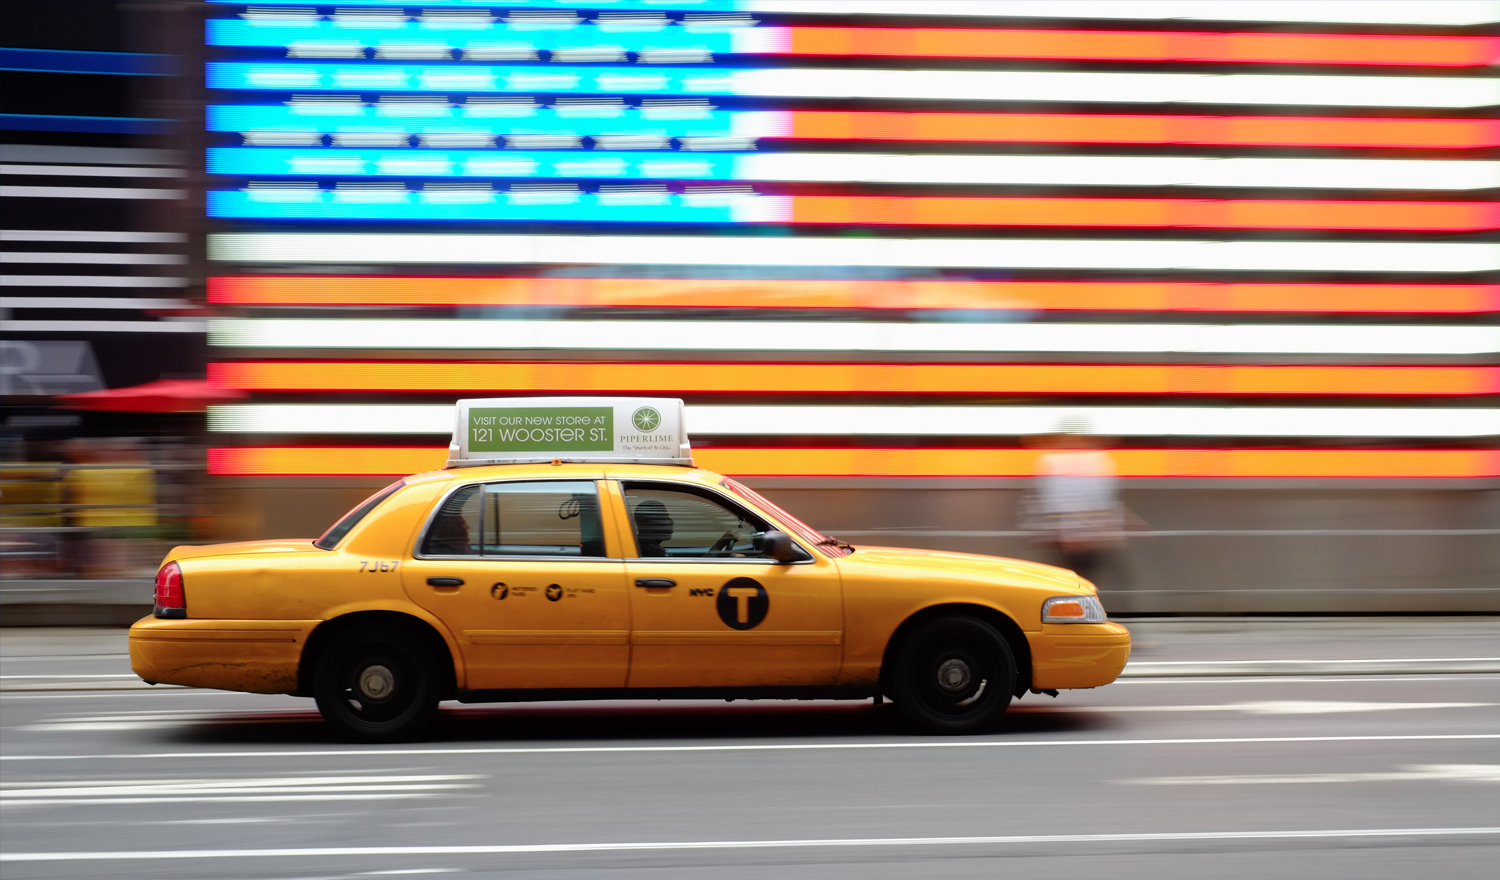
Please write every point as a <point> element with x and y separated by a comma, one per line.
<point>286,545</point>
<point>964,566</point>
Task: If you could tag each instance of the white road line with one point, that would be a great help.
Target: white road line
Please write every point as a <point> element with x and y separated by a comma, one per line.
<point>763,747</point>
<point>1298,678</point>
<point>1419,773</point>
<point>1278,662</point>
<point>1149,669</point>
<point>1284,707</point>
<point>1302,679</point>
<point>513,849</point>
<point>78,675</point>
<point>224,791</point>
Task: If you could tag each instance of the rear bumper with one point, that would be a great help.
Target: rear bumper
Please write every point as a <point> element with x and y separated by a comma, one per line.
<point>1077,655</point>
<point>258,656</point>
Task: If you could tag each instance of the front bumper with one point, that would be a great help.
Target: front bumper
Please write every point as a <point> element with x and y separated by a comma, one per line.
<point>258,656</point>
<point>1077,655</point>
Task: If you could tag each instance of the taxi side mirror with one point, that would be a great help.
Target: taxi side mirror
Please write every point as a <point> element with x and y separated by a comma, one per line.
<point>777,545</point>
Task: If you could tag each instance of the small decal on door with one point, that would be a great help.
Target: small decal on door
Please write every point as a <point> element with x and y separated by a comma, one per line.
<point>554,592</point>
<point>743,603</point>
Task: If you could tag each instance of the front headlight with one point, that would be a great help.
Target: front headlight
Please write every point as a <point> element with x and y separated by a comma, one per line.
<point>1073,609</point>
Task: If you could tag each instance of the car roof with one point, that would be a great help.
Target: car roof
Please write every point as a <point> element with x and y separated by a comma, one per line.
<point>586,471</point>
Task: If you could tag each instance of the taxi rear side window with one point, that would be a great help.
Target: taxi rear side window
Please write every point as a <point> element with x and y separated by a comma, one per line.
<point>544,518</point>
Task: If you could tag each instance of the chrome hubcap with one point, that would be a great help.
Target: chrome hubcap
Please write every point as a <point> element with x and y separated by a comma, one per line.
<point>376,682</point>
<point>954,676</point>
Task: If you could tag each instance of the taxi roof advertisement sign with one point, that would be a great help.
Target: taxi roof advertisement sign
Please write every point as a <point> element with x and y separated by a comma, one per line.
<point>638,430</point>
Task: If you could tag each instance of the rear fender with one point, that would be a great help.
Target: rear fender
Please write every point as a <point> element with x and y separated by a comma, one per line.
<point>460,674</point>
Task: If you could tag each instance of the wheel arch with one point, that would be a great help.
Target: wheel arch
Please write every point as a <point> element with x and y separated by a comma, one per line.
<point>1020,649</point>
<point>431,638</point>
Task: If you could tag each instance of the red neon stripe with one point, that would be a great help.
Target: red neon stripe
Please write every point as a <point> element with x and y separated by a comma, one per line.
<point>1185,213</point>
<point>1439,134</point>
<point>824,378</point>
<point>964,463</point>
<point>336,290</point>
<point>1236,48</point>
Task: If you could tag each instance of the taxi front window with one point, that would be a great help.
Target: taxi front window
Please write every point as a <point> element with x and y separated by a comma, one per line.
<point>672,522</point>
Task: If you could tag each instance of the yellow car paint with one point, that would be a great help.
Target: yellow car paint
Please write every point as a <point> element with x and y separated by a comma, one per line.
<point>584,623</point>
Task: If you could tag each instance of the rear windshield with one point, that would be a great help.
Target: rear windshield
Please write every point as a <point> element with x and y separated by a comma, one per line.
<point>336,533</point>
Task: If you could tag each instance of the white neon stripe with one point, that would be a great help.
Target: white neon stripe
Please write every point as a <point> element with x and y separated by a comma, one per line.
<point>1454,13</point>
<point>96,259</point>
<point>90,302</point>
<point>914,421</point>
<point>1122,171</point>
<point>87,192</point>
<point>850,336</point>
<point>678,846</point>
<point>88,155</point>
<point>1117,88</point>
<point>168,326</point>
<point>1071,86</point>
<point>89,281</point>
<point>1199,255</point>
<point>91,171</point>
<point>81,235</point>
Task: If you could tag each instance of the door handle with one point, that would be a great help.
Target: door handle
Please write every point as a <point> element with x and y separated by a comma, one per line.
<point>655,582</point>
<point>445,582</point>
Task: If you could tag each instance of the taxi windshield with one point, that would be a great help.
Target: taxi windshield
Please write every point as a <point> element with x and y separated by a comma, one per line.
<point>338,530</point>
<point>804,531</point>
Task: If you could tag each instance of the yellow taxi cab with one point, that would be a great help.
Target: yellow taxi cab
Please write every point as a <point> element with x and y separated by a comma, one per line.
<point>570,550</point>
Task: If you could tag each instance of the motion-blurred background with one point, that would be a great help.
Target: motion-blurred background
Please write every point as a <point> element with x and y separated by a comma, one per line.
<point>885,251</point>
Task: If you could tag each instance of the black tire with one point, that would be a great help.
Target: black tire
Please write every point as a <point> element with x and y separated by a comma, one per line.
<point>953,675</point>
<point>377,684</point>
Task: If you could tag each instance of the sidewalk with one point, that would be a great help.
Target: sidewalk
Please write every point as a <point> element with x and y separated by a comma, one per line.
<point>76,658</point>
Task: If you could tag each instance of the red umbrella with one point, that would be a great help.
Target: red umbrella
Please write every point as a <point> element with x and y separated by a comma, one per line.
<point>161,396</point>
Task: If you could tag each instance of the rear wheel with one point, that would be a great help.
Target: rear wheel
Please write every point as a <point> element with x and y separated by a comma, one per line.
<point>377,684</point>
<point>953,675</point>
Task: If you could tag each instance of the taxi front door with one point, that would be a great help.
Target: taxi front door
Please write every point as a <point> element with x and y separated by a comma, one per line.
<point>520,573</point>
<point>708,610</point>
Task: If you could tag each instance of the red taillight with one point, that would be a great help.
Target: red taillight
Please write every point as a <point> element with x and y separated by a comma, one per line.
<point>170,601</point>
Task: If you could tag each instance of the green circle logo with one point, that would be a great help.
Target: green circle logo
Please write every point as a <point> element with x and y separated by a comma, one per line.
<point>646,419</point>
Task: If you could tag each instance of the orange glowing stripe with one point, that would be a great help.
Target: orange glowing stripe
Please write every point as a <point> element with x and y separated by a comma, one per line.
<point>1449,134</point>
<point>968,463</point>
<point>325,461</point>
<point>321,290</point>
<point>1193,213</point>
<point>822,378</point>
<point>1394,50</point>
<point>1129,462</point>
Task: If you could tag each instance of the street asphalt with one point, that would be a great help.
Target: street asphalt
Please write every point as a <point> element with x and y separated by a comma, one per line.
<point>1232,748</point>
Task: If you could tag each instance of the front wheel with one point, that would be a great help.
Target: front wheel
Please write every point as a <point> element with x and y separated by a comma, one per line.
<point>953,675</point>
<point>377,684</point>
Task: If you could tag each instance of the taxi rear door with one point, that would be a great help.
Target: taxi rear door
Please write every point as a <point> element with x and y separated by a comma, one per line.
<point>708,609</point>
<point>521,574</point>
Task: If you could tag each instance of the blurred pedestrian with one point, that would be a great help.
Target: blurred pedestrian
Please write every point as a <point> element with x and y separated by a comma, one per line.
<point>1074,505</point>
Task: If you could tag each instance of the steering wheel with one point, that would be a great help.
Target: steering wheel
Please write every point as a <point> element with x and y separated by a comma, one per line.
<point>722,546</point>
